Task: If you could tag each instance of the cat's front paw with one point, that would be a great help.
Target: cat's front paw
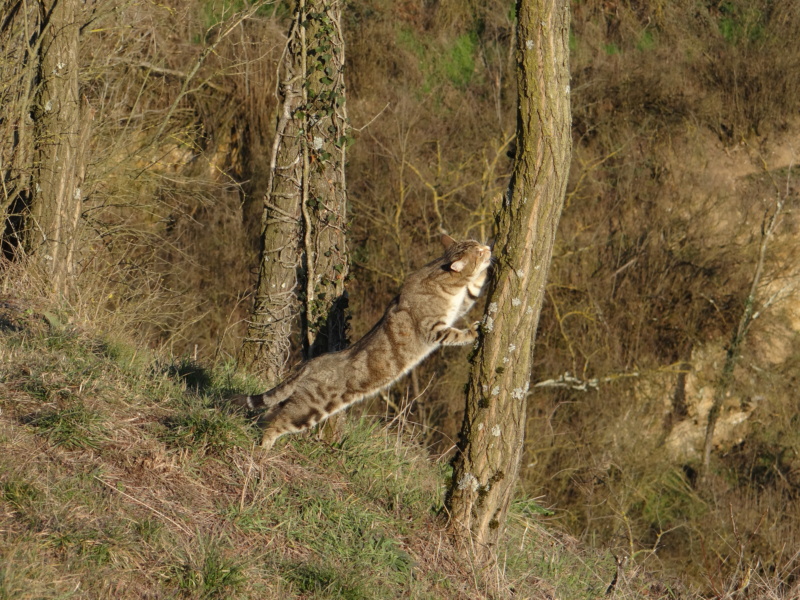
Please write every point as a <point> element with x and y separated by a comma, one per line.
<point>475,329</point>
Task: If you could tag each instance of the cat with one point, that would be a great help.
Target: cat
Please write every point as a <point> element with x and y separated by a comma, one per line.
<point>417,321</point>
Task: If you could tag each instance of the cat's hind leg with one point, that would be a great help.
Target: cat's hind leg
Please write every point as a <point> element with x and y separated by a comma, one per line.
<point>269,422</point>
<point>289,416</point>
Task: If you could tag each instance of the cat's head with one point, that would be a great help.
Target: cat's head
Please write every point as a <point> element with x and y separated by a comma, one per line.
<point>469,258</point>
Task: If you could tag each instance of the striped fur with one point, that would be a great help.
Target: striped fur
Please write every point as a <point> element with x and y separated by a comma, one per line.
<point>418,320</point>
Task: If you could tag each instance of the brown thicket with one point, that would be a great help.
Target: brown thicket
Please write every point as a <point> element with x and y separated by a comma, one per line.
<point>681,115</point>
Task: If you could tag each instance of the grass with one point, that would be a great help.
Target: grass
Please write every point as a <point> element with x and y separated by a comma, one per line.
<point>75,427</point>
<point>206,430</point>
<point>121,475</point>
<point>212,572</point>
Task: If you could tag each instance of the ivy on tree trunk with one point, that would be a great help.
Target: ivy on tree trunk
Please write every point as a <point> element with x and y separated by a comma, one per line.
<point>304,259</point>
<point>487,463</point>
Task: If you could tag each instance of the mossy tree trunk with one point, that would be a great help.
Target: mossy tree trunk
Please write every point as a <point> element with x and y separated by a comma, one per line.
<point>487,464</point>
<point>304,259</point>
<point>43,168</point>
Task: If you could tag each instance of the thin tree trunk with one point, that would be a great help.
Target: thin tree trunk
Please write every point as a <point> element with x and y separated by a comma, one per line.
<point>738,336</point>
<point>487,464</point>
<point>304,256</point>
<point>266,347</point>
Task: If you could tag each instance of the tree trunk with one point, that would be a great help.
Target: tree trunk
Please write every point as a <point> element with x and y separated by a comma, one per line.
<point>19,68</point>
<point>43,162</point>
<point>487,464</point>
<point>266,347</point>
<point>325,195</point>
<point>304,257</point>
<point>60,144</point>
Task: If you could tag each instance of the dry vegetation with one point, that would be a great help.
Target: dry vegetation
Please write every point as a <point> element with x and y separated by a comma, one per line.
<point>684,114</point>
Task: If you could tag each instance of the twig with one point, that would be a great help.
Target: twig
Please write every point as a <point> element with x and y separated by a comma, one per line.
<point>148,66</point>
<point>147,506</point>
<point>749,314</point>
<point>621,562</point>
<point>246,480</point>
<point>363,127</point>
<point>568,381</point>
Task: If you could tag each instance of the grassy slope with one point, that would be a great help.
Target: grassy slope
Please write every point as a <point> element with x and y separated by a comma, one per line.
<point>121,477</point>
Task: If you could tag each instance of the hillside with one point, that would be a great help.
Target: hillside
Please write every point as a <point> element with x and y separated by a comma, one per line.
<point>121,476</point>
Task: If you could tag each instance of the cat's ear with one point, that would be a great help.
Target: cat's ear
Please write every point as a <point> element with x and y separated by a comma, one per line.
<point>447,241</point>
<point>457,266</point>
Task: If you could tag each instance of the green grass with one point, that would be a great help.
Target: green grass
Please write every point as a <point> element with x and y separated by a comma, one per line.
<point>18,493</point>
<point>646,41</point>
<point>741,23</point>
<point>210,573</point>
<point>206,430</point>
<point>458,62</point>
<point>72,428</point>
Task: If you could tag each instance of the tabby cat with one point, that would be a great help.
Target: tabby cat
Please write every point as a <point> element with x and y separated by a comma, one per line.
<point>417,321</point>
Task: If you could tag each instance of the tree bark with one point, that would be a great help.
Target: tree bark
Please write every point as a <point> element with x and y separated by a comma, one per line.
<point>43,155</point>
<point>304,257</point>
<point>60,146</point>
<point>266,347</point>
<point>487,464</point>
<point>19,68</point>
